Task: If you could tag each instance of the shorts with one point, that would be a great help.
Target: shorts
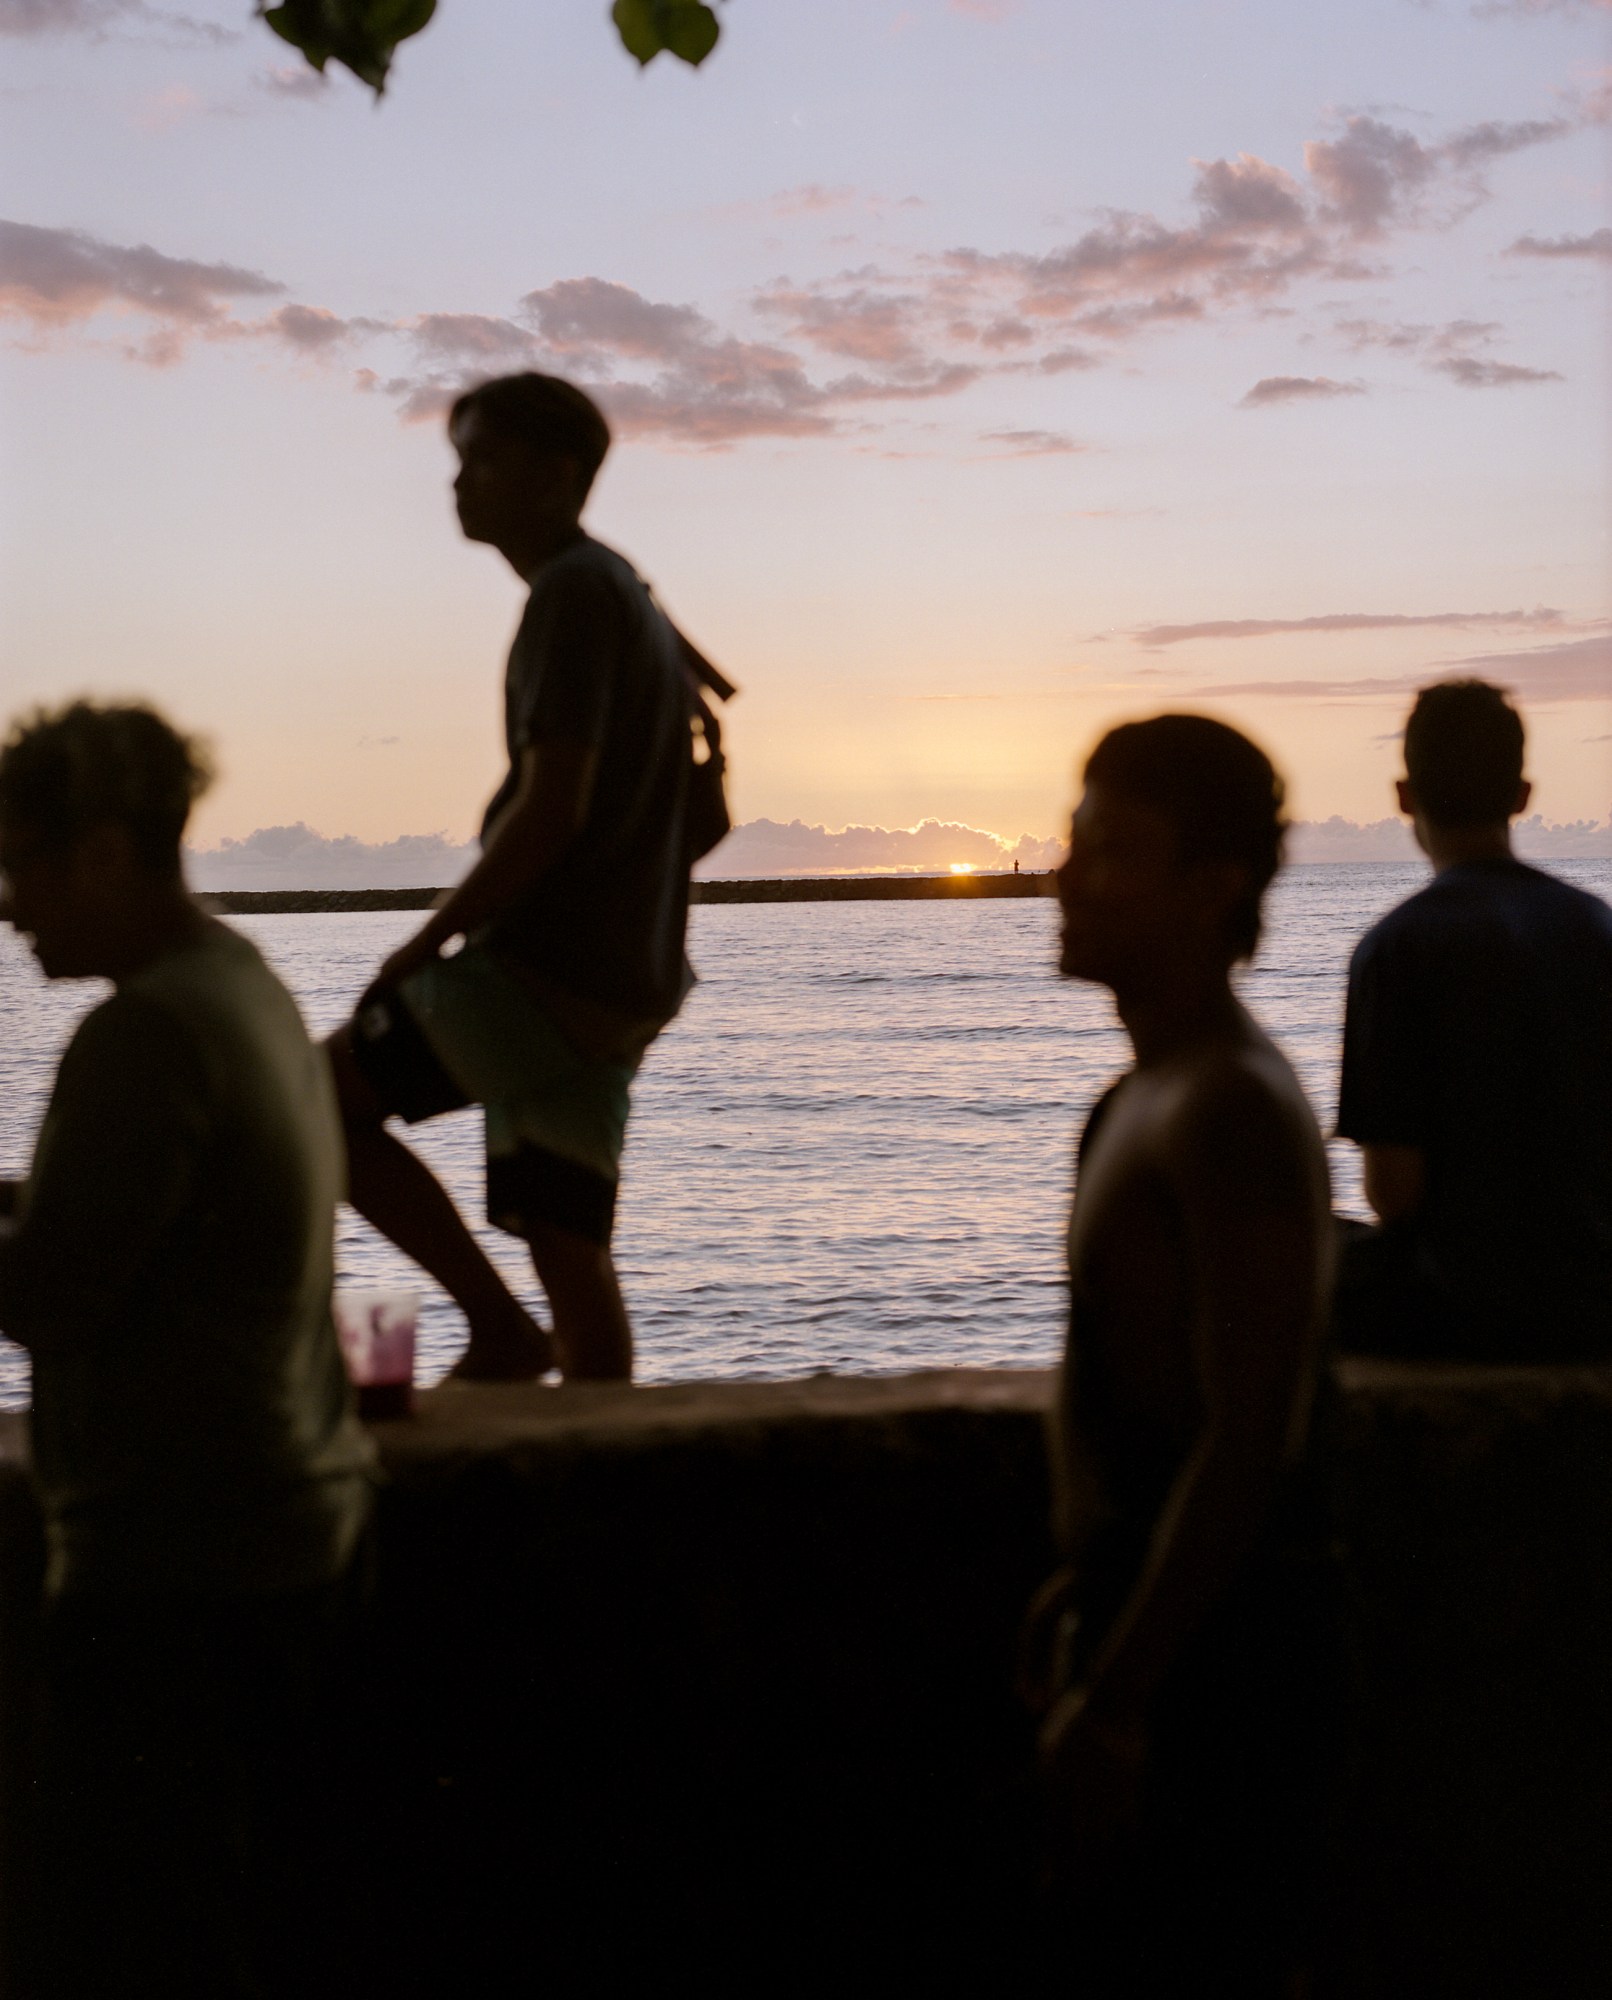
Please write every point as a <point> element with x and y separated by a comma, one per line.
<point>465,1030</point>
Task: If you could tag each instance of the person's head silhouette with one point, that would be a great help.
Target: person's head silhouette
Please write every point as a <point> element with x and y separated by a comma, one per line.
<point>530,447</point>
<point>1463,782</point>
<point>93,806</point>
<point>1173,844</point>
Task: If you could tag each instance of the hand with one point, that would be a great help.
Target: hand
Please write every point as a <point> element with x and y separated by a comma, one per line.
<point>409,957</point>
<point>1044,1641</point>
<point>1092,1769</point>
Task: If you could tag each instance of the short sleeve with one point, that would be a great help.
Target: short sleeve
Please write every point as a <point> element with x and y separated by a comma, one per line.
<point>565,658</point>
<point>116,1161</point>
<point>1387,1068</point>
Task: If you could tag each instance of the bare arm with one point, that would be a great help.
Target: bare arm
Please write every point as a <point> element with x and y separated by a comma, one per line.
<point>551,799</point>
<point>1245,1176</point>
<point>1396,1180</point>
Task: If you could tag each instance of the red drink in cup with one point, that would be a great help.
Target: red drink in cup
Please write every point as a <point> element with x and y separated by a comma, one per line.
<point>376,1331</point>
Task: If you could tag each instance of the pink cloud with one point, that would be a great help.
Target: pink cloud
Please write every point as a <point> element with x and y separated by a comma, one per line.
<point>1473,372</point>
<point>1572,670</point>
<point>1297,389</point>
<point>1541,618</point>
<point>1031,444</point>
<point>1597,244</point>
<point>55,279</point>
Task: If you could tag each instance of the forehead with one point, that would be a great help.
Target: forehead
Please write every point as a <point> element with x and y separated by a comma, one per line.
<point>1120,819</point>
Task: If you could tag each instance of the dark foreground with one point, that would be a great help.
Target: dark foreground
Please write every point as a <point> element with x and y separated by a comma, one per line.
<point>713,1680</point>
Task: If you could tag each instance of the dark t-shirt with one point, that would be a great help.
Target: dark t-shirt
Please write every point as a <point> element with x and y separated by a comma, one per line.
<point>595,662</point>
<point>1479,1030</point>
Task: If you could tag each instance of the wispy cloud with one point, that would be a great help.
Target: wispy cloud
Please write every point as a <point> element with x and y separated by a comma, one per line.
<point>94,20</point>
<point>1031,444</point>
<point>1573,670</point>
<point>1473,371</point>
<point>1457,349</point>
<point>840,354</point>
<point>294,80</point>
<point>1297,389</point>
<point>1597,244</point>
<point>53,279</point>
<point>1542,617</point>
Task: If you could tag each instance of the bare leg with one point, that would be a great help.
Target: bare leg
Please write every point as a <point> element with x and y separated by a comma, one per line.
<point>591,1331</point>
<point>395,1191</point>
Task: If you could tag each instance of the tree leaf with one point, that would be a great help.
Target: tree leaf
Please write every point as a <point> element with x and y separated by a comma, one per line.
<point>639,31</point>
<point>362,34</point>
<point>688,29</point>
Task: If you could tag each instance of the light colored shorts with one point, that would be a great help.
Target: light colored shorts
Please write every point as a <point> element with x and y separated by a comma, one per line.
<point>466,1030</point>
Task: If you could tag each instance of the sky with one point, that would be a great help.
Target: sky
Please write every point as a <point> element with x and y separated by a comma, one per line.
<point>983,372</point>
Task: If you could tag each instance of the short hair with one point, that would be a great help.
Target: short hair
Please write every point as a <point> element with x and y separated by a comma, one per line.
<point>1220,793</point>
<point>1463,753</point>
<point>66,770</point>
<point>543,411</point>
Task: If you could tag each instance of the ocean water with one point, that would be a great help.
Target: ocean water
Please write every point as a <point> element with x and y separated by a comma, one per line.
<point>852,1151</point>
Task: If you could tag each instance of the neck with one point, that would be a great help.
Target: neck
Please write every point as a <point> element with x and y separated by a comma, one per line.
<point>1451,846</point>
<point>159,920</point>
<point>1180,1012</point>
<point>533,543</point>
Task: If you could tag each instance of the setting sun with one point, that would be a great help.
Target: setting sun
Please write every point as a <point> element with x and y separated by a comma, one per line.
<point>962,867</point>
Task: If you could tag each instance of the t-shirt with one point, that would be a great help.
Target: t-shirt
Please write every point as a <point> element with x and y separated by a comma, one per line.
<point>595,662</point>
<point>170,1268</point>
<point>1479,1030</point>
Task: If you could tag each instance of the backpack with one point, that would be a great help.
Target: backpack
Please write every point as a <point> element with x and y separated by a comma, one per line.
<point>706,817</point>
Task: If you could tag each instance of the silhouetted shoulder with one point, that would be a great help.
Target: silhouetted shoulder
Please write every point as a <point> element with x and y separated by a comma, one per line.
<point>589,564</point>
<point>1506,903</point>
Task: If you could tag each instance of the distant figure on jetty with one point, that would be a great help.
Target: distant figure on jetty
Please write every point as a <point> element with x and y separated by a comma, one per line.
<point>1186,1655</point>
<point>1477,1074</point>
<point>573,918</point>
<point>205,1486</point>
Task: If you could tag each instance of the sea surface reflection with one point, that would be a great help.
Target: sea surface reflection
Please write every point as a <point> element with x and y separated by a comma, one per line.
<point>851,1152</point>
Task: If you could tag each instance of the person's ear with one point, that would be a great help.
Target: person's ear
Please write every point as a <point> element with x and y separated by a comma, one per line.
<point>1406,797</point>
<point>1525,792</point>
<point>1221,885</point>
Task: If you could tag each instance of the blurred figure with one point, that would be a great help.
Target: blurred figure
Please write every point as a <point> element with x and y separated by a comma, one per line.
<point>1187,1655</point>
<point>205,1486</point>
<point>573,918</point>
<point>1477,1074</point>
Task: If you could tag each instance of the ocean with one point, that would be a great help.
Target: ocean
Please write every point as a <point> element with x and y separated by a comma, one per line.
<point>852,1151</point>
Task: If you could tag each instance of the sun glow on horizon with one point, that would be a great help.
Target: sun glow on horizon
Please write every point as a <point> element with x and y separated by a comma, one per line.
<point>962,867</point>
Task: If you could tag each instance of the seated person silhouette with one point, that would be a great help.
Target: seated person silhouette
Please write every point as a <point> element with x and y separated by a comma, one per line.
<point>206,1488</point>
<point>1186,1657</point>
<point>1477,1075</point>
<point>573,917</point>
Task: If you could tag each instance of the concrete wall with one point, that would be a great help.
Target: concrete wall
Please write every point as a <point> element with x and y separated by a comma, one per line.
<point>669,1673</point>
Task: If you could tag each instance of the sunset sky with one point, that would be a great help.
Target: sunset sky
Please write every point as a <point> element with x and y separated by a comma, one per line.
<point>983,371</point>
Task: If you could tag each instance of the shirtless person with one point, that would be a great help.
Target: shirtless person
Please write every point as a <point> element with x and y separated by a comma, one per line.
<point>1181,1652</point>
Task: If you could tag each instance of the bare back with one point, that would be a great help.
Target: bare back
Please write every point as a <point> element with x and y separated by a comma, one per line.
<point>1199,1263</point>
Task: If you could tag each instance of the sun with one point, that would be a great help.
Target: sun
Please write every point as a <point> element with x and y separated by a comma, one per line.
<point>962,868</point>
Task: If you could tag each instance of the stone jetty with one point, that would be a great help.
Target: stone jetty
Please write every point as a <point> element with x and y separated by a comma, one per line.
<point>774,889</point>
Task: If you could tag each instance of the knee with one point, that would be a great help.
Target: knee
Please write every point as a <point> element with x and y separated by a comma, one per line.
<point>567,1259</point>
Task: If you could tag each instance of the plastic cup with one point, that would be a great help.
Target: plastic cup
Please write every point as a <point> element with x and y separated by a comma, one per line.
<point>376,1331</point>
